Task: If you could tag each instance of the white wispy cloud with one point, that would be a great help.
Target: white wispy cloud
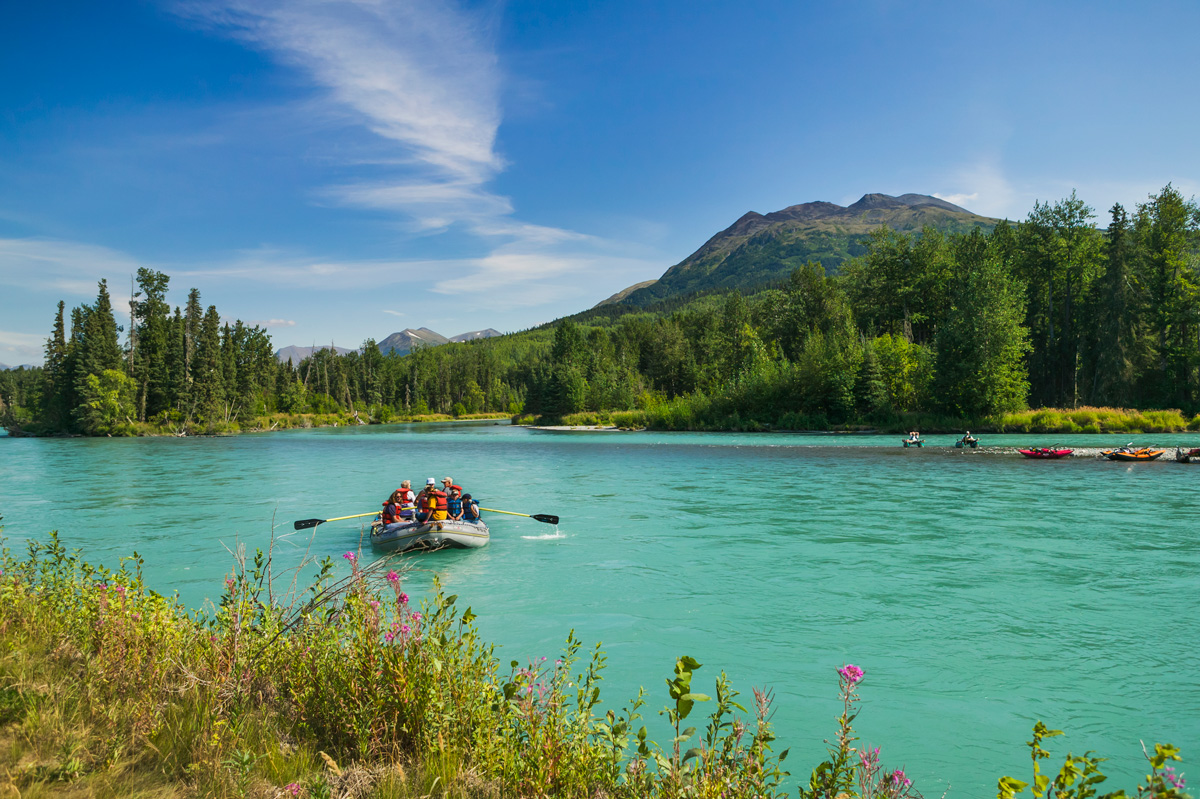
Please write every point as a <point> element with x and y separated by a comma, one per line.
<point>22,347</point>
<point>268,323</point>
<point>958,199</point>
<point>424,77</point>
<point>422,74</point>
<point>65,267</point>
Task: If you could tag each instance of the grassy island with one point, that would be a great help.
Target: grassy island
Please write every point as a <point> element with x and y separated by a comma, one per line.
<point>344,689</point>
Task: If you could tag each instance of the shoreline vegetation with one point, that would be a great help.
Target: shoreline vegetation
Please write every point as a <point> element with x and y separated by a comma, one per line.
<point>276,421</point>
<point>930,330</point>
<point>1036,421</point>
<point>342,689</point>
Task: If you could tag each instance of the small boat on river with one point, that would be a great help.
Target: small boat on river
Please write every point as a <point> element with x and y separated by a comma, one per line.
<point>913,442</point>
<point>1044,453</point>
<point>403,537</point>
<point>1187,455</point>
<point>1130,454</point>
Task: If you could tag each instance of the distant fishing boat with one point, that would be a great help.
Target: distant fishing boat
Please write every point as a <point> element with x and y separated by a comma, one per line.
<point>1187,455</point>
<point>1044,453</point>
<point>403,537</point>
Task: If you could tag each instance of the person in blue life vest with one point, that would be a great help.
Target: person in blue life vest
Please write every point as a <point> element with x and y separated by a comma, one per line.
<point>454,504</point>
<point>470,509</point>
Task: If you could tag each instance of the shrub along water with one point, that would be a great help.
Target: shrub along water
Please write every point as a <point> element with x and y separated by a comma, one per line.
<point>343,689</point>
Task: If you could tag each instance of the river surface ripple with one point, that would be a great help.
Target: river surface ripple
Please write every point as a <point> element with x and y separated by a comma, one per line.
<point>980,591</point>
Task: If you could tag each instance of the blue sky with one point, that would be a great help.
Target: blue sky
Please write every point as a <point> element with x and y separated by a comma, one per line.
<point>343,170</point>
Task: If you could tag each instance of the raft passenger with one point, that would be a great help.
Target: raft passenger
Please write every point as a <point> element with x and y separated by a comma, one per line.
<point>408,501</point>
<point>470,509</point>
<point>423,501</point>
<point>454,504</point>
<point>392,507</point>
<point>437,507</point>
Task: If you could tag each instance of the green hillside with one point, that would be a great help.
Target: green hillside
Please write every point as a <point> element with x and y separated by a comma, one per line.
<point>760,250</point>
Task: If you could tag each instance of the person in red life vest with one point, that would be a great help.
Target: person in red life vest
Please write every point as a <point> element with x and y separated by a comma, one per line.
<point>408,501</point>
<point>423,500</point>
<point>392,506</point>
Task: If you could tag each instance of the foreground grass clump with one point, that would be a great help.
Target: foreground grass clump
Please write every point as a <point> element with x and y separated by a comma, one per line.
<point>344,689</point>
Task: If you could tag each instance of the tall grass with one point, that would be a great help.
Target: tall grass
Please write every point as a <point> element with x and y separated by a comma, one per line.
<point>1092,420</point>
<point>343,689</point>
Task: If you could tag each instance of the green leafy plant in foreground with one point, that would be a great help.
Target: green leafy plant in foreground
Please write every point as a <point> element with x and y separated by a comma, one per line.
<point>1080,774</point>
<point>339,687</point>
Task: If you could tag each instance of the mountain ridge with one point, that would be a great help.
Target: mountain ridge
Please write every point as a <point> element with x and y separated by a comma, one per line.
<point>759,249</point>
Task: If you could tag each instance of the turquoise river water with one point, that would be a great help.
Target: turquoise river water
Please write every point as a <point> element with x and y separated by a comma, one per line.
<point>980,591</point>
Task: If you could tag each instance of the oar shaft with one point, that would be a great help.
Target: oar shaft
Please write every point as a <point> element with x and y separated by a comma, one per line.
<point>355,516</point>
<point>509,512</point>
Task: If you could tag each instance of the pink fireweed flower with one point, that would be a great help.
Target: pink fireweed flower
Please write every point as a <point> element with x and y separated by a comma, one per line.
<point>120,589</point>
<point>851,673</point>
<point>375,604</point>
<point>416,617</point>
<point>899,779</point>
<point>389,636</point>
<point>403,598</point>
<point>350,556</point>
<point>392,577</point>
<point>293,788</point>
<point>405,629</point>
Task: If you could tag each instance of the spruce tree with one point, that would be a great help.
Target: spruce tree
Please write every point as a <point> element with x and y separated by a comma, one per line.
<point>209,382</point>
<point>148,320</point>
<point>56,380</point>
<point>981,346</point>
<point>176,368</point>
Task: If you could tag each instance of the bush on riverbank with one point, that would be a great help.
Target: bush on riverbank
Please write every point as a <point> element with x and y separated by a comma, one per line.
<point>1094,420</point>
<point>343,689</point>
<point>700,413</point>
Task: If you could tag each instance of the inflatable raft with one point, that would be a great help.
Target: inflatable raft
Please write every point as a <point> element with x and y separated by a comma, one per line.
<point>1042,453</point>
<point>1127,454</point>
<point>403,537</point>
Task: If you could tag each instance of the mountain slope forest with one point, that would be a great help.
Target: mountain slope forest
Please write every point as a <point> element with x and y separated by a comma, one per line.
<point>969,325</point>
<point>760,249</point>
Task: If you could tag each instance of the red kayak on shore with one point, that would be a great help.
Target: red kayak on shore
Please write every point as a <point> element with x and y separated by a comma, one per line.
<point>1045,454</point>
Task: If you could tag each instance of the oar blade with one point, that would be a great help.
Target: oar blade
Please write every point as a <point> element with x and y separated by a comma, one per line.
<point>544,517</point>
<point>304,524</point>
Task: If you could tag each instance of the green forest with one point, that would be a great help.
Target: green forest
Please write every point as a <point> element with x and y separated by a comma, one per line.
<point>930,328</point>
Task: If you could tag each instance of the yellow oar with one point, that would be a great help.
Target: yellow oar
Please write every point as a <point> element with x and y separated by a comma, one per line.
<point>537,517</point>
<point>304,524</point>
